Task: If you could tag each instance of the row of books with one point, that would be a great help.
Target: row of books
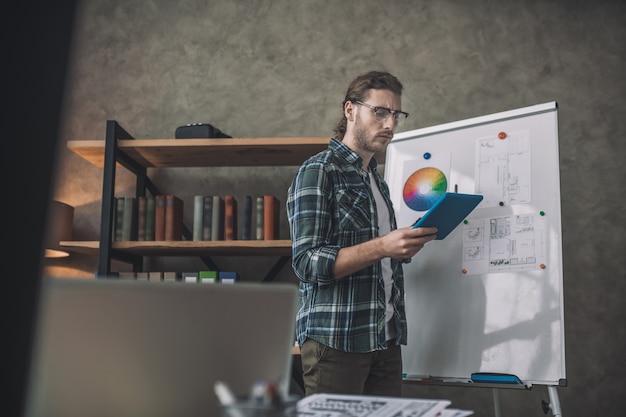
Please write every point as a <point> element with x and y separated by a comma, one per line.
<point>148,218</point>
<point>217,218</point>
<point>160,218</point>
<point>203,277</point>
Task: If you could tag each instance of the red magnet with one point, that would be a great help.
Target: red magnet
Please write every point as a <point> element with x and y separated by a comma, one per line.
<point>501,135</point>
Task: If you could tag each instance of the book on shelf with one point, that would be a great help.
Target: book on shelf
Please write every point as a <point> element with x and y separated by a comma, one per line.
<point>259,218</point>
<point>159,217</point>
<point>217,228</point>
<point>246,221</point>
<point>171,276</point>
<point>198,215</point>
<point>141,218</point>
<point>207,277</point>
<point>228,277</point>
<point>155,276</point>
<point>230,218</point>
<point>207,217</point>
<point>126,275</point>
<point>150,213</point>
<point>129,219</point>
<point>173,218</point>
<point>118,221</point>
<point>271,219</point>
<point>190,277</point>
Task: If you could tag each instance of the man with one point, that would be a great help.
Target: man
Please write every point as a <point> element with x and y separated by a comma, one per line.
<point>348,252</point>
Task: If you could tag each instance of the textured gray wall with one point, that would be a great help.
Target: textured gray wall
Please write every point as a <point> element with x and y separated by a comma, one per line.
<point>280,68</point>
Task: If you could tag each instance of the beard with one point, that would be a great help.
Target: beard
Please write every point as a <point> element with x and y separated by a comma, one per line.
<point>366,138</point>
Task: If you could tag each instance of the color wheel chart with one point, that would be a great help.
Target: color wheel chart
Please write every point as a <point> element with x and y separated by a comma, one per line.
<point>424,178</point>
<point>423,188</point>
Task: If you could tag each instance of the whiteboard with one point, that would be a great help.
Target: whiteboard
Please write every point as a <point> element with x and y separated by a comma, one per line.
<point>489,297</point>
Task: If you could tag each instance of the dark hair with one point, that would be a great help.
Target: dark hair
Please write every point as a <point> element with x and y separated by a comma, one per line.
<point>359,88</point>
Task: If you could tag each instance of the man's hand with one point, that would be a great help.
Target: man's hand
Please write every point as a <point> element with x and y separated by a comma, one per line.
<point>398,244</point>
<point>405,242</point>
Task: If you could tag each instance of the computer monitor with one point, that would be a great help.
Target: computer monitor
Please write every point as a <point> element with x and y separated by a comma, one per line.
<point>111,347</point>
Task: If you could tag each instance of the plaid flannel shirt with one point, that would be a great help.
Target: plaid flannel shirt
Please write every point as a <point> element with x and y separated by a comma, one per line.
<point>330,206</point>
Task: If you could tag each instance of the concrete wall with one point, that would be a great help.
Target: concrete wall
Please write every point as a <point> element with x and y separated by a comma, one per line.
<point>280,68</point>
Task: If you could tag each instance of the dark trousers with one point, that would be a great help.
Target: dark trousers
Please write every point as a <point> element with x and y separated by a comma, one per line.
<point>327,370</point>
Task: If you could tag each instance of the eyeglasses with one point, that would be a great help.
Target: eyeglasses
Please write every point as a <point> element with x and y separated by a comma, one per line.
<point>382,113</point>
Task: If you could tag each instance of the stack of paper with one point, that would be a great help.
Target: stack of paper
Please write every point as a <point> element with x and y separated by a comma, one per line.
<point>335,405</point>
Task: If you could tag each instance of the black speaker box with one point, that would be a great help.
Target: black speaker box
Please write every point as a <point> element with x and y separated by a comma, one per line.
<point>199,130</point>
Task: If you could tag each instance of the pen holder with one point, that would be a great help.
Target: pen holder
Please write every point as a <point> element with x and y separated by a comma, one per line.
<point>248,408</point>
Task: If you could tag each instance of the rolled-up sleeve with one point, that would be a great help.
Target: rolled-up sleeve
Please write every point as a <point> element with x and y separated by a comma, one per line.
<point>310,221</point>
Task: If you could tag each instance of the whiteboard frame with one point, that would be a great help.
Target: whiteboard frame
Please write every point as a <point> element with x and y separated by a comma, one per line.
<point>394,160</point>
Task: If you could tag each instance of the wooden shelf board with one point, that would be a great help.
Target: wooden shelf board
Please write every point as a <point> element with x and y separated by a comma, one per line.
<point>175,153</point>
<point>170,153</point>
<point>188,248</point>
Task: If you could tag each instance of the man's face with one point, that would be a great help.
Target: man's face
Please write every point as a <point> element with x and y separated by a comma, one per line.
<point>370,134</point>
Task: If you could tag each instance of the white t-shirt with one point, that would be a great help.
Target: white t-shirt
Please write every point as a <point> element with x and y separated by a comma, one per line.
<point>384,227</point>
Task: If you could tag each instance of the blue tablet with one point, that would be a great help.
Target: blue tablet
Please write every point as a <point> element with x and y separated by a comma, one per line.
<point>447,212</point>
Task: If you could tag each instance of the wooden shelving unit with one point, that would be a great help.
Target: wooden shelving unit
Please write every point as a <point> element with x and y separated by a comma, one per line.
<point>137,155</point>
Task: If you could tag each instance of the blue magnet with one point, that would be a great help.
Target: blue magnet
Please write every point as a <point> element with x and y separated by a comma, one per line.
<point>427,155</point>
